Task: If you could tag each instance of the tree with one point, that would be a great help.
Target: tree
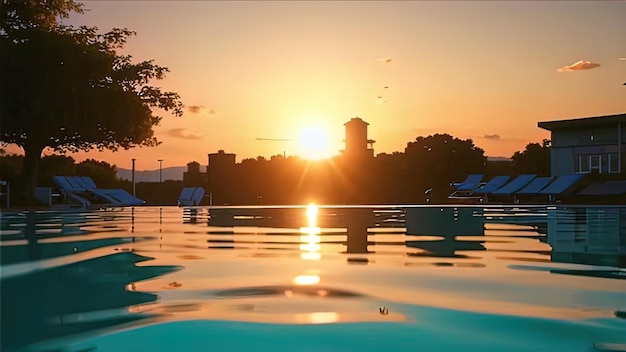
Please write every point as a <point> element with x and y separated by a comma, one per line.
<point>102,173</point>
<point>55,165</point>
<point>535,159</point>
<point>19,16</point>
<point>80,95</point>
<point>433,162</point>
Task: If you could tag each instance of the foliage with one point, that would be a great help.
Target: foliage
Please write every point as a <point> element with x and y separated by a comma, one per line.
<point>534,159</point>
<point>80,95</point>
<point>67,88</point>
<point>18,16</point>
<point>102,173</point>
<point>10,166</point>
<point>53,165</point>
<point>435,161</point>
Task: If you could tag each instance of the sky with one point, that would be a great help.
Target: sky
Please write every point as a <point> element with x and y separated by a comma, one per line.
<point>488,71</point>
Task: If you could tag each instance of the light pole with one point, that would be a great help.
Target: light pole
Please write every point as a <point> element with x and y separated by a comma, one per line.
<point>160,168</point>
<point>133,177</point>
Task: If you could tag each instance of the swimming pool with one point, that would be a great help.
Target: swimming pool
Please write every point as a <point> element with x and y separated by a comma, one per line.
<point>167,278</point>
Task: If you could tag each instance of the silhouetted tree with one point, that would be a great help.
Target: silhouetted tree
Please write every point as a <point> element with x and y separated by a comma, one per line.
<point>17,17</point>
<point>80,94</point>
<point>102,173</point>
<point>499,167</point>
<point>433,162</point>
<point>11,166</point>
<point>389,186</point>
<point>535,159</point>
<point>53,165</point>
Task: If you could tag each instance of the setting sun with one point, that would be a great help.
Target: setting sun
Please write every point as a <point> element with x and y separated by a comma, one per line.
<point>314,143</point>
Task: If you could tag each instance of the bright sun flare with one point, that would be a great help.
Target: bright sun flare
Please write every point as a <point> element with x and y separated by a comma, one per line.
<point>314,144</point>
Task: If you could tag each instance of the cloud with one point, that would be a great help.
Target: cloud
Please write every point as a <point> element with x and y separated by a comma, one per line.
<point>384,59</point>
<point>579,66</point>
<point>184,133</point>
<point>493,137</point>
<point>200,110</point>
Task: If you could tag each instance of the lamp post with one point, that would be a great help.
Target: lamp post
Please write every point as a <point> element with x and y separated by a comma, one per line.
<point>160,168</point>
<point>133,177</point>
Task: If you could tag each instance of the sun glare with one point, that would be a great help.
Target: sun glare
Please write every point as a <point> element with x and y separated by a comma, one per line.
<point>314,144</point>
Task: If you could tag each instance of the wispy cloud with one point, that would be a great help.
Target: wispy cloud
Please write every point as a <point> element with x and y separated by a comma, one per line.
<point>384,59</point>
<point>200,110</point>
<point>184,133</point>
<point>493,137</point>
<point>579,66</point>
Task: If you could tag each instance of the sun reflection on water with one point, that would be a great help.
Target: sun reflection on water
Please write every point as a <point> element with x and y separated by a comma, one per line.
<point>310,239</point>
<point>307,279</point>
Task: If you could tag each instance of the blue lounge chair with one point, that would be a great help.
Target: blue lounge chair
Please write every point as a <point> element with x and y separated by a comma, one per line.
<point>63,183</point>
<point>190,196</point>
<point>561,184</point>
<point>84,190</point>
<point>534,186</point>
<point>472,181</point>
<point>518,183</point>
<point>86,182</point>
<point>494,184</point>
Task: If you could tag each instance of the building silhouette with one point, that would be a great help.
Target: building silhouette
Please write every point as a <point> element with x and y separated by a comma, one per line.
<point>357,144</point>
<point>221,177</point>
<point>193,177</point>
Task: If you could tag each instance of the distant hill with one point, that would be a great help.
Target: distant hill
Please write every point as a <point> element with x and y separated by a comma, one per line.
<point>176,172</point>
<point>498,158</point>
<point>168,173</point>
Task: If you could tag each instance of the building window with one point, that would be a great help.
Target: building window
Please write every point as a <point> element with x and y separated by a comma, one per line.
<point>604,163</point>
<point>594,163</point>
<point>601,163</point>
<point>613,163</point>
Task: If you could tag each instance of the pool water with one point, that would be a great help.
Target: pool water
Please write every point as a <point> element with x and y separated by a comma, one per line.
<point>167,278</point>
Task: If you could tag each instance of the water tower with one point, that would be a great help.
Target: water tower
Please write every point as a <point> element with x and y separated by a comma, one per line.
<point>357,144</point>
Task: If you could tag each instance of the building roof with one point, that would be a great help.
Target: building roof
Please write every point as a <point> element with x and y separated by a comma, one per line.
<point>595,121</point>
<point>355,120</point>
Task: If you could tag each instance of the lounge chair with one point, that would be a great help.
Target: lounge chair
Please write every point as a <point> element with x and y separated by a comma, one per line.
<point>491,186</point>
<point>190,196</point>
<point>463,190</point>
<point>86,182</point>
<point>472,181</point>
<point>534,186</point>
<point>561,184</point>
<point>518,183</point>
<point>84,190</point>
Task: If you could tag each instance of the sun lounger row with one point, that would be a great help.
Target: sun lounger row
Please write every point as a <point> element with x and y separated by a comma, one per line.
<point>522,185</point>
<point>84,190</point>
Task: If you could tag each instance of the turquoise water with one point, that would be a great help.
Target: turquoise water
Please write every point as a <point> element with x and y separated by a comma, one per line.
<point>162,279</point>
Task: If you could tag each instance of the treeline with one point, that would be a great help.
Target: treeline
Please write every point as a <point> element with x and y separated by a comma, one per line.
<point>102,173</point>
<point>423,171</point>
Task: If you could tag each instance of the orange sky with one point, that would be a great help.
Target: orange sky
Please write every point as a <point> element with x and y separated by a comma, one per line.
<point>480,70</point>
